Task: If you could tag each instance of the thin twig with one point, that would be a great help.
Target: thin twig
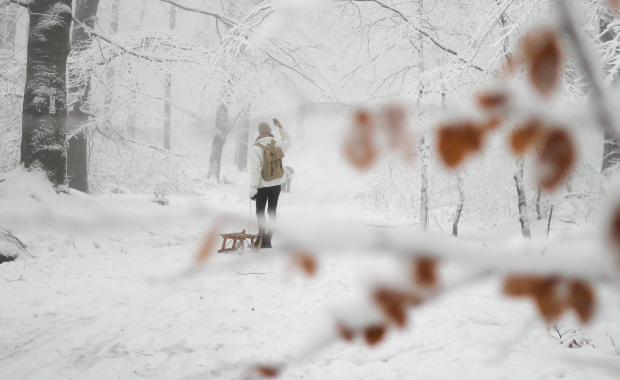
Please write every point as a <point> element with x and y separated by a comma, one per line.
<point>422,32</point>
<point>600,100</point>
<point>549,222</point>
<point>218,16</point>
<point>21,278</point>
<point>107,39</point>
<point>247,274</point>
<point>13,239</point>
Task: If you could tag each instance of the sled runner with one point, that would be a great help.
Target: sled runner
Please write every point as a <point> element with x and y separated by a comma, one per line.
<point>238,240</point>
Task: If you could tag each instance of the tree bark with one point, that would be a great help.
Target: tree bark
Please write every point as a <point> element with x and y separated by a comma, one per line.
<point>219,138</point>
<point>423,186</point>
<point>109,74</point>
<point>243,143</point>
<point>459,208</point>
<point>45,96</point>
<point>77,149</point>
<point>523,217</point>
<point>423,146</point>
<point>611,145</point>
<point>8,27</point>
<point>168,88</point>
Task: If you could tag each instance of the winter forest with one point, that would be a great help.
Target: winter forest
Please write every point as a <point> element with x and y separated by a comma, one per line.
<point>449,207</point>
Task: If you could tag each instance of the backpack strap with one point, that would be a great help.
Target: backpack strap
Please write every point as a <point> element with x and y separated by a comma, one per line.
<point>262,146</point>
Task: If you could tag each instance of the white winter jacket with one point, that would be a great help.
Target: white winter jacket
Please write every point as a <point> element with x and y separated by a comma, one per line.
<point>256,160</point>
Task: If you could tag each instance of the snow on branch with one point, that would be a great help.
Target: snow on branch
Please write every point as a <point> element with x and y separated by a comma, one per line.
<point>218,16</point>
<point>422,32</point>
<point>109,40</point>
<point>600,100</point>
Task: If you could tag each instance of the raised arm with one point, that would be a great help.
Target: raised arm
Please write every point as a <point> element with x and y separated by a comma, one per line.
<point>286,142</point>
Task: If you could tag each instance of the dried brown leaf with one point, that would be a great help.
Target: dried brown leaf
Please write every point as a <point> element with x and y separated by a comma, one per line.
<point>524,136</point>
<point>521,285</point>
<point>425,271</point>
<point>393,303</point>
<point>456,141</point>
<point>582,300</point>
<point>267,371</point>
<point>395,117</point>
<point>362,119</point>
<point>307,262</point>
<point>492,100</point>
<point>345,332</point>
<point>374,334</point>
<point>549,304</point>
<point>557,158</point>
<point>614,231</point>
<point>543,56</point>
<point>208,247</point>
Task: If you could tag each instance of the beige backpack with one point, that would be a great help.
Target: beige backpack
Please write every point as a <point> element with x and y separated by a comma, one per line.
<point>272,161</point>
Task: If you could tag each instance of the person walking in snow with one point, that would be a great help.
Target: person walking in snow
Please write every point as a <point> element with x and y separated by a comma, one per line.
<point>267,175</point>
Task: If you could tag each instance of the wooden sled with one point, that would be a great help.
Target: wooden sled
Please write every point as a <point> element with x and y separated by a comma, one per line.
<point>238,240</point>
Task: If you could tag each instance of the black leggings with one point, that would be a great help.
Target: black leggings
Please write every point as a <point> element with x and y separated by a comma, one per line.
<point>267,195</point>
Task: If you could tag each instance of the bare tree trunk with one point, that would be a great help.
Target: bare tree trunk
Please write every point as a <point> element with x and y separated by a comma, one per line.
<point>423,185</point>
<point>538,196</point>
<point>301,122</point>
<point>131,120</point>
<point>611,145</point>
<point>243,143</point>
<point>168,87</point>
<point>77,149</point>
<point>142,11</point>
<point>459,209</point>
<point>523,217</point>
<point>219,138</point>
<point>109,74</point>
<point>8,26</point>
<point>45,96</point>
<point>423,146</point>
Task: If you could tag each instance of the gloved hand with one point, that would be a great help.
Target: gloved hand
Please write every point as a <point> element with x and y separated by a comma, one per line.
<point>253,192</point>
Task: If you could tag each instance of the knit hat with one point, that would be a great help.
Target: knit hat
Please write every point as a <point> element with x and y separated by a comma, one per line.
<point>264,128</point>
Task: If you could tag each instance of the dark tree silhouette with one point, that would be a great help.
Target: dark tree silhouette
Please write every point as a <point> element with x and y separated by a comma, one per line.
<point>45,96</point>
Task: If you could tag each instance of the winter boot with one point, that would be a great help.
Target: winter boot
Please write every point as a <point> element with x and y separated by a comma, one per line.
<point>258,244</point>
<point>267,241</point>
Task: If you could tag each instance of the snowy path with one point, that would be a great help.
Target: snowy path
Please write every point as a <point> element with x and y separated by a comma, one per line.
<point>94,313</point>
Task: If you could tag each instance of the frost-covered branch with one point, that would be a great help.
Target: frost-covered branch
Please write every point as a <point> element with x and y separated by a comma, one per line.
<point>218,16</point>
<point>124,140</point>
<point>124,48</point>
<point>422,32</point>
<point>600,100</point>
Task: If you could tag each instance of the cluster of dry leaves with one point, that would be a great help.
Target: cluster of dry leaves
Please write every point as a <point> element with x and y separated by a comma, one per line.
<point>372,134</point>
<point>554,295</point>
<point>542,57</point>
<point>363,145</point>
<point>394,302</point>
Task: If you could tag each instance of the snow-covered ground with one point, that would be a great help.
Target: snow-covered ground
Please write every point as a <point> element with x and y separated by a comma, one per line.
<point>108,296</point>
